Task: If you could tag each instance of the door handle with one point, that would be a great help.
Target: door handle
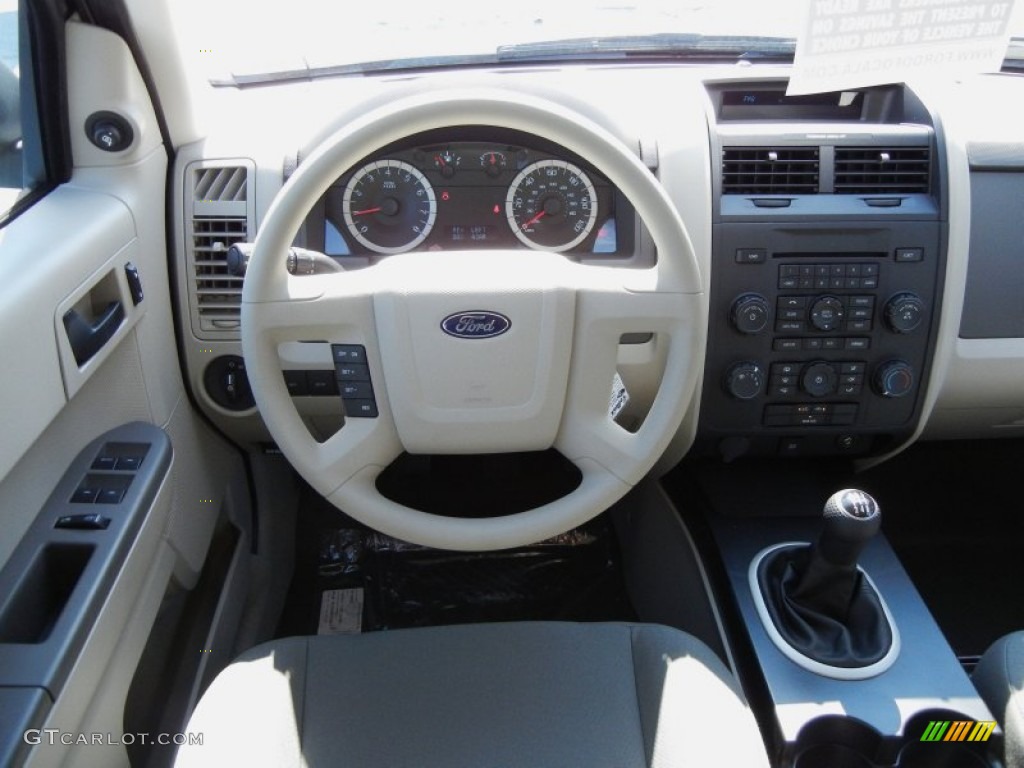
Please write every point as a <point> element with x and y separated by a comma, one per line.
<point>87,338</point>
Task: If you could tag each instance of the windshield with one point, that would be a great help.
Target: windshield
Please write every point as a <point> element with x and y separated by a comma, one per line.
<point>236,37</point>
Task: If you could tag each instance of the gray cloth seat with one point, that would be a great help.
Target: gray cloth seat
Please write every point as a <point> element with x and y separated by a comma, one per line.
<point>501,695</point>
<point>999,678</point>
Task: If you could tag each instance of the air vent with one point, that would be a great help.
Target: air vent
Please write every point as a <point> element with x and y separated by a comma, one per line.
<point>882,170</point>
<point>218,292</point>
<point>219,185</point>
<point>770,171</point>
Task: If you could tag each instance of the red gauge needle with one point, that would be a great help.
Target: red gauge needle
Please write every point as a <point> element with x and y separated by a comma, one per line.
<point>368,210</point>
<point>535,219</point>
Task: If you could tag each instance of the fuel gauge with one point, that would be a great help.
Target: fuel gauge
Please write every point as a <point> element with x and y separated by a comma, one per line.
<point>493,163</point>
<point>447,162</point>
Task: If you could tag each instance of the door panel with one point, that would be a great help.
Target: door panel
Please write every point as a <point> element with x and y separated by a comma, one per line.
<point>69,251</point>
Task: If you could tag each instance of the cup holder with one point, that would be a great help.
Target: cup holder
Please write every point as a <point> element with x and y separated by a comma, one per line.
<point>837,741</point>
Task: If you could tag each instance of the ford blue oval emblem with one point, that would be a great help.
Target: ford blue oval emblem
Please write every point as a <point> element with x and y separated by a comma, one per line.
<point>477,324</point>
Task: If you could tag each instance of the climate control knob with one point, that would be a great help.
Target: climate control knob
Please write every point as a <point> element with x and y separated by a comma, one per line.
<point>819,379</point>
<point>745,381</point>
<point>750,313</point>
<point>894,378</point>
<point>904,312</point>
<point>827,313</point>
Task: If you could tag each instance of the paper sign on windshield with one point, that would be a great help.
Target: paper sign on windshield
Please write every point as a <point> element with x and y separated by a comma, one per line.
<point>856,43</point>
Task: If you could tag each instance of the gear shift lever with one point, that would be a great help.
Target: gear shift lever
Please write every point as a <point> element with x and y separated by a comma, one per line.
<point>818,599</point>
<point>852,517</point>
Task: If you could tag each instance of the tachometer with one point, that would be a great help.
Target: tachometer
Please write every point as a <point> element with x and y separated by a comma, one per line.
<point>551,205</point>
<point>389,206</point>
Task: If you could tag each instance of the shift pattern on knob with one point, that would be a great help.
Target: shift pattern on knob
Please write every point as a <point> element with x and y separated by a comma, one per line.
<point>852,517</point>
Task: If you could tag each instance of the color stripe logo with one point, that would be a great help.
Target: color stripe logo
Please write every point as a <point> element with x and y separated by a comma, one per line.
<point>958,730</point>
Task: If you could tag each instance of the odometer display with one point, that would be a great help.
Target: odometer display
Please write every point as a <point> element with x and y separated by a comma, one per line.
<point>389,206</point>
<point>551,205</point>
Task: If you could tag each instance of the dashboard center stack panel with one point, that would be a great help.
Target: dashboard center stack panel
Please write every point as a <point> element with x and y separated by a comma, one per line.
<point>827,265</point>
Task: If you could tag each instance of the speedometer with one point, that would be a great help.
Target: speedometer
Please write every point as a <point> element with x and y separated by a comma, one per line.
<point>551,205</point>
<point>389,206</point>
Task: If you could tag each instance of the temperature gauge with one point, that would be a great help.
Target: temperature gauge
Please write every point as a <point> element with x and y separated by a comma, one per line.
<point>493,162</point>
<point>446,162</point>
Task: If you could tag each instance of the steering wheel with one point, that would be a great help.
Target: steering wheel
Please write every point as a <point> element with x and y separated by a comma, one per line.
<point>545,382</point>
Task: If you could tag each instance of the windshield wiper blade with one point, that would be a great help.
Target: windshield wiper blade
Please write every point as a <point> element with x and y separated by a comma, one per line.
<point>660,46</point>
<point>668,45</point>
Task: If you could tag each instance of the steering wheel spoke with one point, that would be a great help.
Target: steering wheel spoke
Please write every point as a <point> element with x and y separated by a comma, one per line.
<point>604,315</point>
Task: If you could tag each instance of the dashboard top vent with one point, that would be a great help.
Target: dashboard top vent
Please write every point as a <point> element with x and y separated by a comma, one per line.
<point>220,185</point>
<point>882,170</point>
<point>770,171</point>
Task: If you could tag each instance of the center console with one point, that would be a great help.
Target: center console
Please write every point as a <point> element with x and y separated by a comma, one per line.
<point>896,714</point>
<point>828,256</point>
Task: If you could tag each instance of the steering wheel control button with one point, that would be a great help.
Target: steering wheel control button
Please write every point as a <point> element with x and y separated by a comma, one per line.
<point>356,390</point>
<point>352,381</point>
<point>361,409</point>
<point>904,313</point>
<point>827,314</point>
<point>750,314</point>
<point>322,383</point>
<point>819,379</point>
<point>348,353</point>
<point>745,381</point>
<point>894,378</point>
<point>352,372</point>
<point>296,383</point>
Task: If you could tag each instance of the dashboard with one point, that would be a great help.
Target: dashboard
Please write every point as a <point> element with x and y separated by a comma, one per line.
<point>856,252</point>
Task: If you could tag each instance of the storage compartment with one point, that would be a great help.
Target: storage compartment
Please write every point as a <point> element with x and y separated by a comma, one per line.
<point>37,601</point>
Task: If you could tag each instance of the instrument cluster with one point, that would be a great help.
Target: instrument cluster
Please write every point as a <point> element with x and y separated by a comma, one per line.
<point>453,195</point>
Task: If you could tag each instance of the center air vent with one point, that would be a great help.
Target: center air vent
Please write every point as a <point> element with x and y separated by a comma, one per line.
<point>882,170</point>
<point>770,171</point>
<point>221,216</point>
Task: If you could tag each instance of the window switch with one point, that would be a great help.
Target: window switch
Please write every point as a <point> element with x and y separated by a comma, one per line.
<point>104,462</point>
<point>131,463</point>
<point>85,495</point>
<point>90,522</point>
<point>110,496</point>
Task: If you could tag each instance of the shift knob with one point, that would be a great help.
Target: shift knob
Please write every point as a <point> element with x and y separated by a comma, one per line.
<point>852,517</point>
